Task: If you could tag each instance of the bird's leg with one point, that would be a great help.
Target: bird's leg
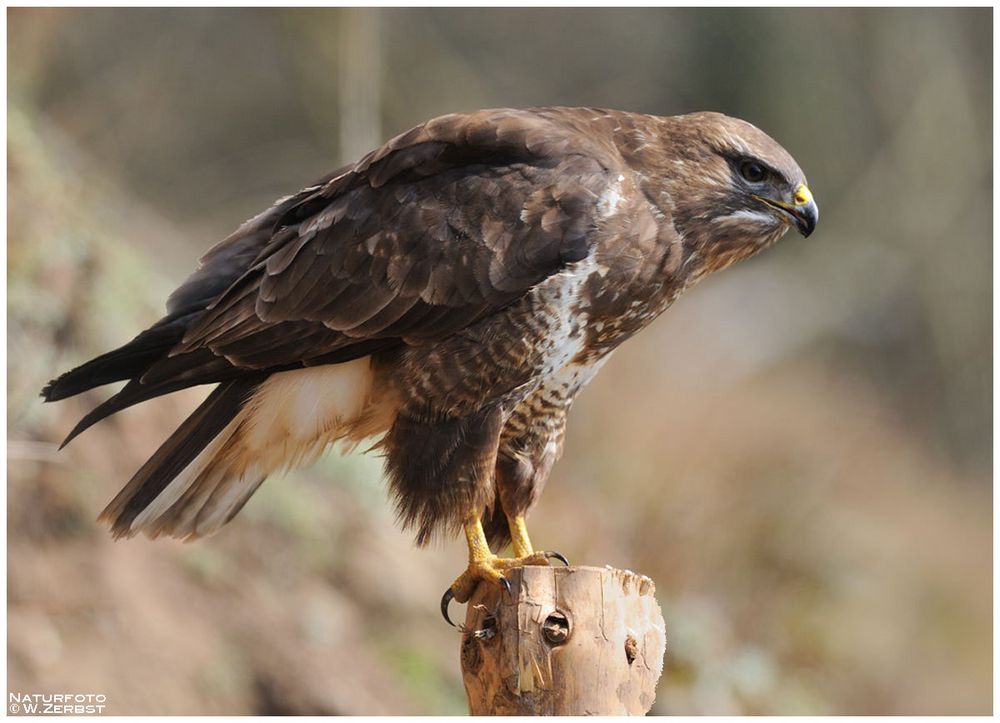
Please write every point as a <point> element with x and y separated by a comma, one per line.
<point>481,562</point>
<point>485,566</point>
<point>519,539</point>
<point>524,553</point>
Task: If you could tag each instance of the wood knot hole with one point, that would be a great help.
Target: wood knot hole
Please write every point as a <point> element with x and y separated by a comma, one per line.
<point>631,649</point>
<point>488,631</point>
<point>472,658</point>
<point>556,628</point>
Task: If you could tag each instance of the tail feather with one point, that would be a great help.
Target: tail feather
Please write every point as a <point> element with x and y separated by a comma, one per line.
<point>248,428</point>
<point>125,362</point>
<point>213,494</point>
<point>213,369</point>
<point>175,460</point>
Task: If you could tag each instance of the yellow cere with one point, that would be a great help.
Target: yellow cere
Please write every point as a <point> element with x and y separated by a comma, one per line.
<point>802,195</point>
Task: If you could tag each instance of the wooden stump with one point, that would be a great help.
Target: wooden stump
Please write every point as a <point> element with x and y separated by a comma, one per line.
<point>572,641</point>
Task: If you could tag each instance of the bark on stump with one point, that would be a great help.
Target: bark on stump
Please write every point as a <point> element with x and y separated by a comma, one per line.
<point>572,641</point>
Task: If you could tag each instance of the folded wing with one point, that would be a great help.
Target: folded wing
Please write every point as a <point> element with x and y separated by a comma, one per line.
<point>443,225</point>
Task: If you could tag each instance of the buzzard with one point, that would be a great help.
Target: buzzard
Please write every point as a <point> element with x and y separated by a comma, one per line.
<point>447,296</point>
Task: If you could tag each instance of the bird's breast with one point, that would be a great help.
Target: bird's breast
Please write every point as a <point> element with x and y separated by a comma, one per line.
<point>618,299</point>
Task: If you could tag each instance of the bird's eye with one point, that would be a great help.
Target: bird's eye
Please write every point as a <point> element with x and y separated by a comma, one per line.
<point>752,171</point>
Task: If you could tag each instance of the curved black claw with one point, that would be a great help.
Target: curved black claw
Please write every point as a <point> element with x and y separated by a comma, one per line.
<point>506,586</point>
<point>445,601</point>
<point>558,556</point>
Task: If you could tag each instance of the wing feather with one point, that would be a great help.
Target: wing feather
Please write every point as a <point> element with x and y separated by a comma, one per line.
<point>440,227</point>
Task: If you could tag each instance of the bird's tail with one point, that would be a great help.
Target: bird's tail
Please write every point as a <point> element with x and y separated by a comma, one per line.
<point>197,480</point>
<point>246,429</point>
<point>125,362</point>
<point>146,363</point>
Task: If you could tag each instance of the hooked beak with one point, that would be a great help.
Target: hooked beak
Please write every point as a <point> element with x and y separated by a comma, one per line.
<point>802,209</point>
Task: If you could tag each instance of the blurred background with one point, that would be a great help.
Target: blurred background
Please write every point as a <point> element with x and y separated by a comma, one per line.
<point>798,452</point>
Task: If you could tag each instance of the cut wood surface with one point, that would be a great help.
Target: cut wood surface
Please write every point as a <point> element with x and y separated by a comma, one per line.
<point>568,641</point>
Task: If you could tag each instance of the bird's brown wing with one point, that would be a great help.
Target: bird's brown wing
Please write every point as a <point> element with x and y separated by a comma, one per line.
<point>442,226</point>
<point>229,259</point>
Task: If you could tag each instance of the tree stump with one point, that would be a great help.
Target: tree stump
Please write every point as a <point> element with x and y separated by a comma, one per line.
<point>569,641</point>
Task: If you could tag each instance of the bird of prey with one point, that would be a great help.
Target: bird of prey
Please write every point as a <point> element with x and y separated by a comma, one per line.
<point>446,297</point>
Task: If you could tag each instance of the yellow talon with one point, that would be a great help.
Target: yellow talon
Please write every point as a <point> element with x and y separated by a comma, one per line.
<point>485,566</point>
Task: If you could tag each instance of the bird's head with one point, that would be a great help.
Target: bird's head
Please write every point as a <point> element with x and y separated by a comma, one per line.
<point>732,189</point>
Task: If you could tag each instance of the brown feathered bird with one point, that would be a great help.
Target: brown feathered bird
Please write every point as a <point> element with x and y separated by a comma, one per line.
<point>448,295</point>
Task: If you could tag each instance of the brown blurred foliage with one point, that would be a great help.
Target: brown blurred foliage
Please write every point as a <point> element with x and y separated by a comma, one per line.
<point>798,452</point>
